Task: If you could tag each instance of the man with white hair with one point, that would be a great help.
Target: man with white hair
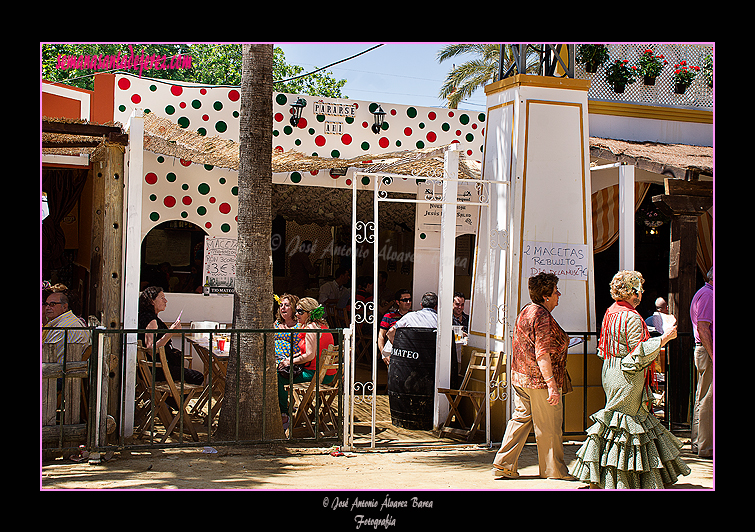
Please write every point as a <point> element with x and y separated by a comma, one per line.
<point>701,313</point>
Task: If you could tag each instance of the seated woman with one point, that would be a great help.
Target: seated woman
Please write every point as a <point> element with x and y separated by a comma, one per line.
<point>311,315</point>
<point>152,301</point>
<point>286,319</point>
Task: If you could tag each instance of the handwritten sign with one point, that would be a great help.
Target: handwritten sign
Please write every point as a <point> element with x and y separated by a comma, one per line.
<point>567,261</point>
<point>220,264</point>
<point>466,215</point>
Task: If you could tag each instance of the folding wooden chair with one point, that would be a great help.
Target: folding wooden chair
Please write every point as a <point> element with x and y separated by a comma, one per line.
<point>163,391</point>
<point>477,363</point>
<point>306,398</point>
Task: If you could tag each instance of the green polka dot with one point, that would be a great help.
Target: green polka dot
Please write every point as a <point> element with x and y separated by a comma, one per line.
<point>221,126</point>
<point>311,131</point>
<point>202,131</point>
<point>221,180</point>
<point>275,133</point>
<point>422,236</point>
<point>365,180</point>
<point>170,109</point>
<point>217,106</point>
<point>236,114</point>
<point>321,118</point>
<point>122,108</point>
<point>196,104</point>
<point>161,159</point>
<point>335,154</point>
<point>469,137</point>
<point>288,130</point>
<point>398,143</point>
<point>295,177</point>
<point>481,117</point>
<point>201,210</point>
<point>235,191</point>
<point>183,122</point>
<point>154,216</point>
<point>153,87</point>
<point>365,145</point>
<point>184,214</point>
<point>446,126</point>
<point>297,142</point>
<point>185,186</point>
<point>225,228</point>
<point>208,167</point>
<point>411,112</point>
<point>152,197</point>
<point>420,144</point>
<point>203,189</point>
<point>171,177</point>
<point>281,99</point>
<point>464,119</point>
<point>422,125</point>
<point>349,119</point>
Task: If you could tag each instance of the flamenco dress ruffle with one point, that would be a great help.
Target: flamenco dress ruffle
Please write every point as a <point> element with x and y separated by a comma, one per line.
<point>629,452</point>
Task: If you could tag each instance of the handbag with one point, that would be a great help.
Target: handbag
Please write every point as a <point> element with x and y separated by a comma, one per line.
<point>286,371</point>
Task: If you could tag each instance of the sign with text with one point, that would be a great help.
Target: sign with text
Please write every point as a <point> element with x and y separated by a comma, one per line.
<point>219,264</point>
<point>466,215</point>
<point>567,261</point>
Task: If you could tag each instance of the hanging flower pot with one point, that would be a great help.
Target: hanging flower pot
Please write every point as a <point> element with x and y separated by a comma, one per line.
<point>648,80</point>
<point>619,74</point>
<point>592,56</point>
<point>680,88</point>
<point>683,76</point>
<point>619,87</point>
<point>650,66</point>
<point>591,67</point>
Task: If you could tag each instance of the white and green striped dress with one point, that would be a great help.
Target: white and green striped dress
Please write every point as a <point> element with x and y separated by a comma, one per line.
<point>627,447</point>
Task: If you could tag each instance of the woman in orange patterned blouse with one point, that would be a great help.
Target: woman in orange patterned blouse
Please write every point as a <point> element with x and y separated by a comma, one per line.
<point>538,367</point>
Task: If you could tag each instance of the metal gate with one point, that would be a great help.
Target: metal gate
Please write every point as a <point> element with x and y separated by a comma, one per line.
<point>441,189</point>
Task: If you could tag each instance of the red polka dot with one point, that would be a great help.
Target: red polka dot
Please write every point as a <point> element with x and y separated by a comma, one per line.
<point>431,115</point>
<point>135,98</point>
<point>213,200</point>
<point>124,84</point>
<point>408,131</point>
<point>205,117</point>
<point>320,141</point>
<point>234,95</point>
<point>348,181</point>
<point>182,105</point>
<point>186,200</point>
<point>365,124</point>
<point>279,149</point>
<point>278,117</point>
<point>151,178</point>
<point>175,90</point>
<point>458,132</point>
<point>393,112</point>
<point>431,136</point>
<point>450,113</point>
<point>302,123</point>
<point>224,208</point>
<point>208,225</point>
<point>169,201</point>
<point>184,162</point>
<point>384,142</point>
<point>346,139</point>
<point>202,91</point>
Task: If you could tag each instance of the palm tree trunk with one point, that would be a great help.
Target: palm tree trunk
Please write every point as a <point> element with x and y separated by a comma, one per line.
<point>259,414</point>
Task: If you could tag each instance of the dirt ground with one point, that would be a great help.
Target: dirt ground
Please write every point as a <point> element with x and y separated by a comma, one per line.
<point>316,468</point>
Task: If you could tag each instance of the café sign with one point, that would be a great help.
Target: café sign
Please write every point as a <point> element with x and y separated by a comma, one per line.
<point>335,109</point>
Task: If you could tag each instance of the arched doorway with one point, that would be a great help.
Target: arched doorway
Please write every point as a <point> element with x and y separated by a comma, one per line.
<point>172,257</point>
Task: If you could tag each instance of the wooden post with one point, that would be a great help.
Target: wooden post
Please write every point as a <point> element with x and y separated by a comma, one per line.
<point>684,202</point>
<point>106,264</point>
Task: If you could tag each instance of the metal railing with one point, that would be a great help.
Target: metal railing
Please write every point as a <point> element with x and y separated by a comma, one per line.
<point>126,340</point>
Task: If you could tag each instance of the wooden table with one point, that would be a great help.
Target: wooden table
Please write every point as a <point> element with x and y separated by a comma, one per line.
<point>215,368</point>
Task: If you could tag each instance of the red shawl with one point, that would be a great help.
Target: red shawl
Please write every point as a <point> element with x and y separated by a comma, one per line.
<point>606,341</point>
<point>612,314</point>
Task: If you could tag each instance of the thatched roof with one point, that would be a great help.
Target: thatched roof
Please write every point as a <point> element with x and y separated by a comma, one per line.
<point>164,137</point>
<point>664,159</point>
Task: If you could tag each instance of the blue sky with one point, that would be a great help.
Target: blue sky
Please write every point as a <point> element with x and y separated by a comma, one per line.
<point>405,73</point>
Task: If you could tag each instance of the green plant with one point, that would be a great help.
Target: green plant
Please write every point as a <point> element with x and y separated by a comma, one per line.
<point>650,65</point>
<point>708,70</point>
<point>620,73</point>
<point>592,53</point>
<point>685,74</point>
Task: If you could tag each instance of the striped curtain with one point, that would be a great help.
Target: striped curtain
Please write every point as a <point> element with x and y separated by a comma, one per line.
<point>705,242</point>
<point>605,214</point>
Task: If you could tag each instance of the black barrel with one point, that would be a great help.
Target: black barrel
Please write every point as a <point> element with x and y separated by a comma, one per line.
<point>411,378</point>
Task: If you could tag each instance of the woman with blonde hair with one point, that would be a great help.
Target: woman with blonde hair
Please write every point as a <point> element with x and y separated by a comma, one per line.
<point>311,315</point>
<point>285,318</point>
<point>627,447</point>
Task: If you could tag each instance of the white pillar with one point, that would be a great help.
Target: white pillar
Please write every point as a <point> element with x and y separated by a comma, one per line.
<point>626,217</point>
<point>132,253</point>
<point>446,282</point>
